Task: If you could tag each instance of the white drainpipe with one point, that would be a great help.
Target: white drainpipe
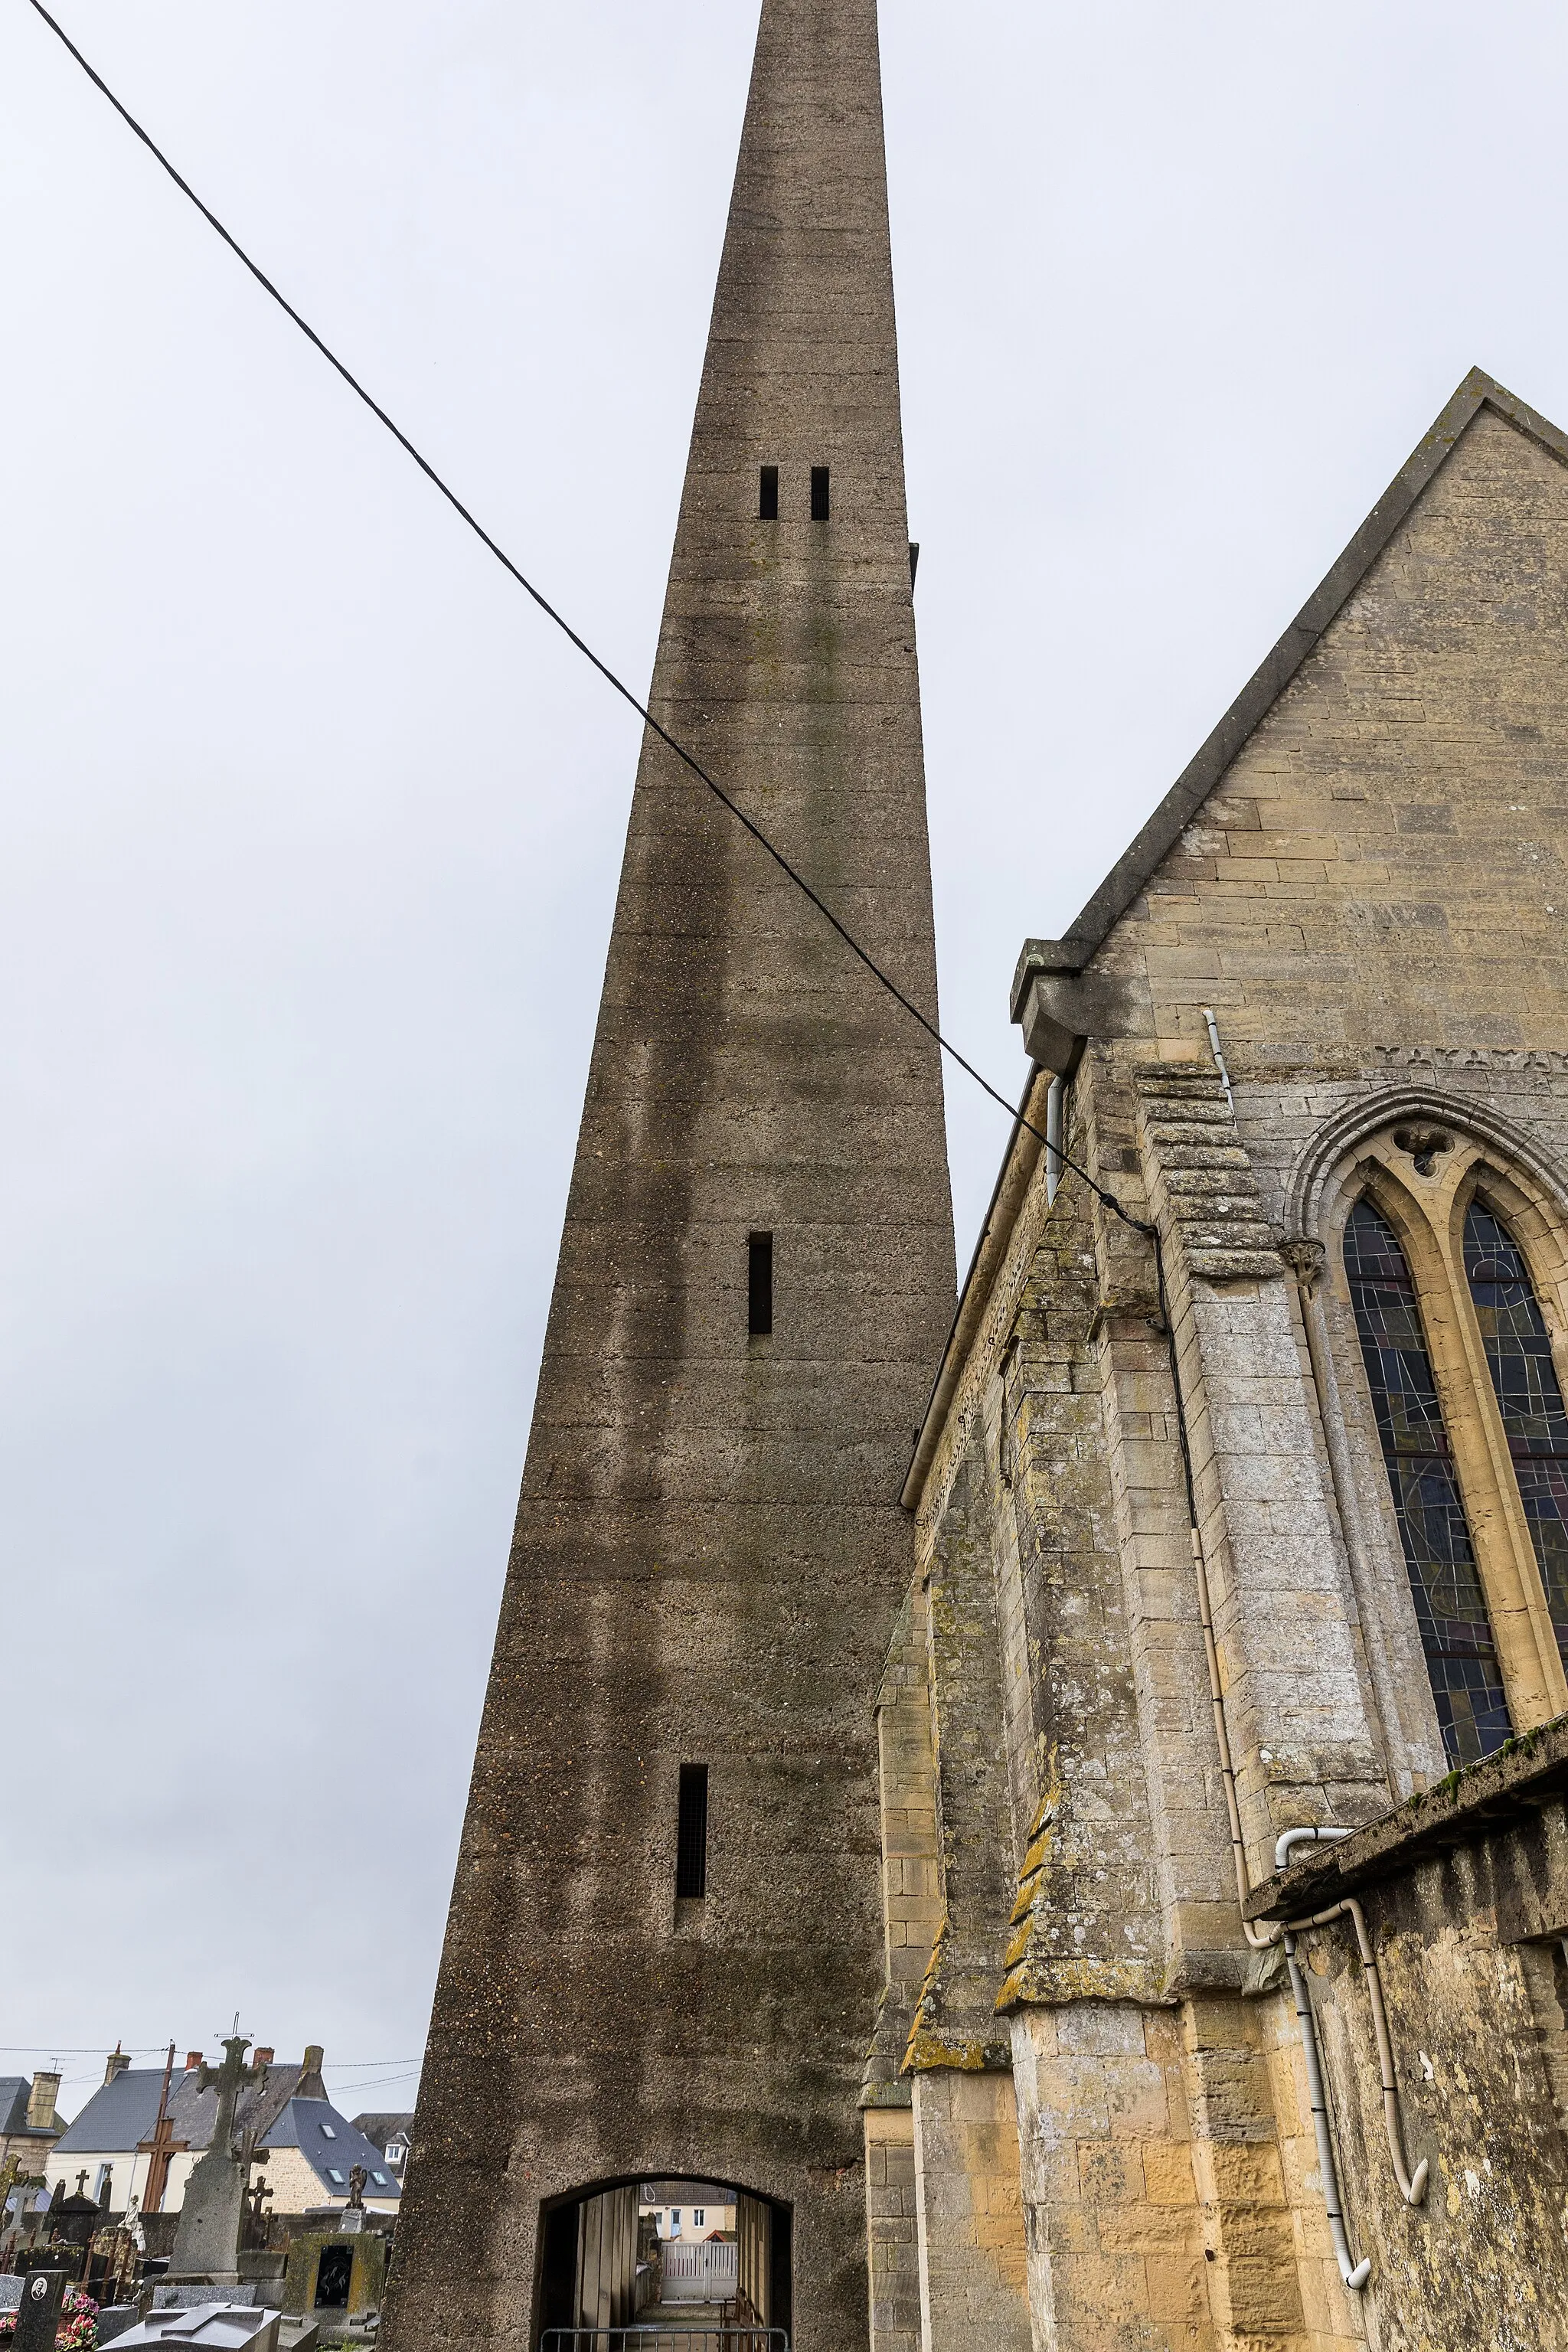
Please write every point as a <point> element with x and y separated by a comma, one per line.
<point>1412,2186</point>
<point>1289,1840</point>
<point>1218,1056</point>
<point>1053,1139</point>
<point>1354,2274</point>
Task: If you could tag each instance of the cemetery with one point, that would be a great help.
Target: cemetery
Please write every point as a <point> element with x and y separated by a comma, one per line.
<point>231,2206</point>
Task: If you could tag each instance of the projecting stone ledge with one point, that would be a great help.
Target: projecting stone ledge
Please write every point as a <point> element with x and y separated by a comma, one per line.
<point>1527,1777</point>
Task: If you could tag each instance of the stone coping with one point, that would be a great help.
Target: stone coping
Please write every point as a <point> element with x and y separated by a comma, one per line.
<point>1526,1773</point>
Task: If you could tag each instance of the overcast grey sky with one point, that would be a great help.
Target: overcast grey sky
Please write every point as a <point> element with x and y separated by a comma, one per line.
<point>311,827</point>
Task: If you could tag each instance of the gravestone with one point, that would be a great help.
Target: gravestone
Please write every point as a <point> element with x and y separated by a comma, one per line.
<point>192,2298</point>
<point>266,2263</point>
<point>73,2220</point>
<point>350,2220</point>
<point>206,2243</point>
<point>220,2327</point>
<point>331,2271</point>
<point>38,2315</point>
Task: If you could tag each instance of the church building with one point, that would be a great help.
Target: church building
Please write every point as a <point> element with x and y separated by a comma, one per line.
<point>1097,1881</point>
<point>1223,1732</point>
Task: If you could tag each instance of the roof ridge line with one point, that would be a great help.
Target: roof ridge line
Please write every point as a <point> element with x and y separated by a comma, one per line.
<point>1162,828</point>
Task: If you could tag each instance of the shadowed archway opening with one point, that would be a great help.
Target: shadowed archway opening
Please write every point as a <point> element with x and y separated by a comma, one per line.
<point>689,2260</point>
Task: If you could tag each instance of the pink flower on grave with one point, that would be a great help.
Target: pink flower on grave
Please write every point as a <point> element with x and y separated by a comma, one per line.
<point>78,2330</point>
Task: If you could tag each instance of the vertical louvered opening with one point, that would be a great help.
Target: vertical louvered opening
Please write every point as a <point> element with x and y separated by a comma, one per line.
<point>759,1285</point>
<point>692,1833</point>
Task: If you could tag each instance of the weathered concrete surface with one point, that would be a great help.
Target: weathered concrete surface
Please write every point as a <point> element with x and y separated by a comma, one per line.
<point>710,1551</point>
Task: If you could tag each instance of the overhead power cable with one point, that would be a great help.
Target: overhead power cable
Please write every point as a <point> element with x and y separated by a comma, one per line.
<point>687,758</point>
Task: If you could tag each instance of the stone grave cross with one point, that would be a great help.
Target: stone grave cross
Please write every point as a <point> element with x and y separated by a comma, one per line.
<point>206,2244</point>
<point>230,2079</point>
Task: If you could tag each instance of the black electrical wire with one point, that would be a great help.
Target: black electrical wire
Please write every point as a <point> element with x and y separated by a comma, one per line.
<point>1149,1232</point>
<point>502,558</point>
<point>609,675</point>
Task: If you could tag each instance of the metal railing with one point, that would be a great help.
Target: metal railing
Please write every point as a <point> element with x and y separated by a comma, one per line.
<point>668,2335</point>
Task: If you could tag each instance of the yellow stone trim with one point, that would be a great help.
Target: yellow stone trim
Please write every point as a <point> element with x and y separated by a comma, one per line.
<point>1042,1837</point>
<point>1429,1215</point>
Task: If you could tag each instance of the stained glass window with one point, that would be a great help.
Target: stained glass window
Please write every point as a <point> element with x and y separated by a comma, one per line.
<point>1450,1607</point>
<point>1525,1377</point>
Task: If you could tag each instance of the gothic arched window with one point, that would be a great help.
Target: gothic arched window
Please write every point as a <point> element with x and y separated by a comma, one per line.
<point>1444,1579</point>
<point>1529,1399</point>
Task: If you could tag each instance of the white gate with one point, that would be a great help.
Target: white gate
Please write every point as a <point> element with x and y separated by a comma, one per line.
<point>699,2270</point>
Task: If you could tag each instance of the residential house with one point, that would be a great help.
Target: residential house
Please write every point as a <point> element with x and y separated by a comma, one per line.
<point>310,2149</point>
<point>105,2137</point>
<point>304,2147</point>
<point>30,2123</point>
<point>390,2134</point>
<point>688,2209</point>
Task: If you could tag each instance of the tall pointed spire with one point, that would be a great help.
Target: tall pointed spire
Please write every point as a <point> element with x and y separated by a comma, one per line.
<point>710,1551</point>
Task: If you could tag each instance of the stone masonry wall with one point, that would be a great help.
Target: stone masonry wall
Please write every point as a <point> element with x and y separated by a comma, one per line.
<point>1373,903</point>
<point>972,2255</point>
<point>891,2229</point>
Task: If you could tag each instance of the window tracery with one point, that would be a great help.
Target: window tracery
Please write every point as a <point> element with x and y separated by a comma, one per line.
<point>1474,1206</point>
<point>1529,1398</point>
<point>1445,1578</point>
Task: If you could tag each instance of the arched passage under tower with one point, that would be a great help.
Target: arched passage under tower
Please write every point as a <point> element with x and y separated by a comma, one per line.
<point>668,2262</point>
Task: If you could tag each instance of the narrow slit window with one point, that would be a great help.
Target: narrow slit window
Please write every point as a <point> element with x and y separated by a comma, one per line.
<point>1519,1354</point>
<point>691,1833</point>
<point>760,1284</point>
<point>768,495</point>
<point>821,506</point>
<point>1445,1580</point>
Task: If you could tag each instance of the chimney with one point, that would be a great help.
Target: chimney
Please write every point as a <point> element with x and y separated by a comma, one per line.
<point>262,2057</point>
<point>193,2060</point>
<point>116,2064</point>
<point>310,2085</point>
<point>42,2102</point>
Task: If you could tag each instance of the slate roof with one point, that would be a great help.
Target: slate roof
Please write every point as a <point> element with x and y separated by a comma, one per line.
<point>380,2129</point>
<point>15,2090</point>
<point>117,2117</point>
<point>1138,864</point>
<point>305,2124</point>
<point>123,2113</point>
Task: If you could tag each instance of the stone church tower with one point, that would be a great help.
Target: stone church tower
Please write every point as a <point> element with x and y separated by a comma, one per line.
<point>665,1947</point>
<point>1224,1731</point>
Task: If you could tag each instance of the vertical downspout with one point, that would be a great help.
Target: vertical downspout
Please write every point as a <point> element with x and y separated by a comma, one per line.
<point>1054,1097</point>
<point>1212,1026</point>
<point>1354,2274</point>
